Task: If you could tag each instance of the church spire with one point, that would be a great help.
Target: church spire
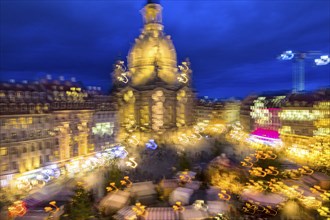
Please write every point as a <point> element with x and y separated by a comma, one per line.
<point>153,2</point>
<point>152,12</point>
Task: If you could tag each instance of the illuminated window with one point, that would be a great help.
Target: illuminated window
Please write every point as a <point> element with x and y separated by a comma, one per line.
<point>19,94</point>
<point>24,163</point>
<point>46,107</point>
<point>14,165</point>
<point>29,120</point>
<point>3,151</point>
<point>56,153</point>
<point>4,167</point>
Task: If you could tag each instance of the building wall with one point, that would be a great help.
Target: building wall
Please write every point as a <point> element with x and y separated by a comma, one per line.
<point>301,123</point>
<point>26,142</point>
<point>50,121</point>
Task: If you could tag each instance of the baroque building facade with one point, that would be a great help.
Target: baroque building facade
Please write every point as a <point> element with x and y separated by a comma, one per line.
<point>222,111</point>
<point>51,122</point>
<point>305,116</point>
<point>295,119</point>
<point>154,95</point>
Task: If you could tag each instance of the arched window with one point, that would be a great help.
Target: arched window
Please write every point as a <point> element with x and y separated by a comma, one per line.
<point>31,107</point>
<point>23,107</point>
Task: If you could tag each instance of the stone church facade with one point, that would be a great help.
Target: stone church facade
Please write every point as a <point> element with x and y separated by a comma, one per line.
<point>154,94</point>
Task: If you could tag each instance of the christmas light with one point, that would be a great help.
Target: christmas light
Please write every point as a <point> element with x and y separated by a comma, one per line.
<point>287,55</point>
<point>131,162</point>
<point>323,60</point>
<point>17,209</point>
<point>151,144</point>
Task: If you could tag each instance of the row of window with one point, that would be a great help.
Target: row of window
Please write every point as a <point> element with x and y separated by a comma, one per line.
<point>23,121</point>
<point>26,164</point>
<point>7,167</point>
<point>22,94</point>
<point>24,135</point>
<point>27,148</point>
<point>105,115</point>
<point>16,107</point>
<point>68,105</point>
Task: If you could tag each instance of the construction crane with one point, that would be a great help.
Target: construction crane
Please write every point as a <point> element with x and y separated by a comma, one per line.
<point>298,66</point>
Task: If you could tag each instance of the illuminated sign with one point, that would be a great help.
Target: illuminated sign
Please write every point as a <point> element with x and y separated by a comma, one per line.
<point>103,128</point>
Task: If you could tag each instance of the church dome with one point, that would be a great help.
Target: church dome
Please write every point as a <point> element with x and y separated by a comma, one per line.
<point>153,54</point>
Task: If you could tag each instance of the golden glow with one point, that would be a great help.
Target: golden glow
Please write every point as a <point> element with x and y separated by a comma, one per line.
<point>75,94</point>
<point>139,209</point>
<point>3,151</point>
<point>184,73</point>
<point>178,207</point>
<point>17,209</point>
<point>300,115</point>
<point>103,128</point>
<point>153,53</point>
<point>53,208</point>
<point>112,187</point>
<point>224,195</point>
<point>131,162</point>
<point>182,99</point>
<point>158,110</point>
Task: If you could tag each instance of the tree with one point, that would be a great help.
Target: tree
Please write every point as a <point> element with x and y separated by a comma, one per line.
<point>80,207</point>
<point>7,197</point>
<point>184,163</point>
<point>114,175</point>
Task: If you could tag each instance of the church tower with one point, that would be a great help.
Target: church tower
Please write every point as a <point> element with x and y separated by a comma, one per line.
<point>154,94</point>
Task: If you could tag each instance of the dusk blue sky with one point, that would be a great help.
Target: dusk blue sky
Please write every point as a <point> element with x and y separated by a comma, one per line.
<point>232,45</point>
